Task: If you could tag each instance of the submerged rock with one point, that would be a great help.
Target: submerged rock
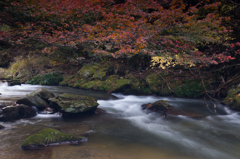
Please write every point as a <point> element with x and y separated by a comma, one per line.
<point>99,111</point>
<point>1,127</point>
<point>233,98</point>
<point>72,103</point>
<point>164,108</point>
<point>10,113</point>
<point>50,137</point>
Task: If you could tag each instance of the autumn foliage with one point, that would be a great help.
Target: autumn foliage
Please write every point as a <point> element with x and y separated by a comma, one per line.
<point>175,32</point>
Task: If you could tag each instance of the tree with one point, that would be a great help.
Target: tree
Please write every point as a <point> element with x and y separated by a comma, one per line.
<point>178,31</point>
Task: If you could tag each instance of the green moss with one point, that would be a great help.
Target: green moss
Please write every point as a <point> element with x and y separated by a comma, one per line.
<point>138,86</point>
<point>73,103</point>
<point>100,74</point>
<point>87,71</point>
<point>186,87</point>
<point>189,88</point>
<point>111,84</point>
<point>93,71</point>
<point>233,98</point>
<point>48,136</point>
<point>155,83</point>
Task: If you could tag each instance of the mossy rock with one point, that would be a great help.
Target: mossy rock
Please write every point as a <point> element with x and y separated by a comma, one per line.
<point>93,71</point>
<point>11,113</point>
<point>87,71</point>
<point>70,80</point>
<point>138,86</point>
<point>14,82</point>
<point>112,84</point>
<point>33,101</point>
<point>72,103</point>
<point>48,137</point>
<point>158,106</point>
<point>101,74</point>
<point>42,93</point>
<point>233,98</point>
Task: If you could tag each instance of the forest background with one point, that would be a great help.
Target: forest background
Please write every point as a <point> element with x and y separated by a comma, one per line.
<point>184,48</point>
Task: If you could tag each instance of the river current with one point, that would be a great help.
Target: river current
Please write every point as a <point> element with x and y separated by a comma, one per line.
<point>126,131</point>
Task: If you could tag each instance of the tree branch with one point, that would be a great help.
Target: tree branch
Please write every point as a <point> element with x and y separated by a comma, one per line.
<point>167,84</point>
<point>234,2</point>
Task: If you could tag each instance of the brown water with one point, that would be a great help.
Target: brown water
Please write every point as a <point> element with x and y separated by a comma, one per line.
<point>126,132</point>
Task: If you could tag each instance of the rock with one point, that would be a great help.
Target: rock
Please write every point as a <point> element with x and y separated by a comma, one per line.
<point>159,106</point>
<point>50,137</point>
<point>1,127</point>
<point>38,98</point>
<point>33,101</point>
<point>26,111</point>
<point>10,113</point>
<point>42,93</point>
<point>14,82</point>
<point>71,103</point>
<point>233,98</point>
<point>145,106</point>
<point>100,111</point>
<point>4,104</point>
<point>164,108</point>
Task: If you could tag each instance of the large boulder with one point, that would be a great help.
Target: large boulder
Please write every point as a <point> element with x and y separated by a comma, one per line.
<point>233,98</point>
<point>42,93</point>
<point>10,113</point>
<point>33,101</point>
<point>49,137</point>
<point>38,98</point>
<point>72,103</point>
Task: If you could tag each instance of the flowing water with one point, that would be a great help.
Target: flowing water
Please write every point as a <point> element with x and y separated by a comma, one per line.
<point>127,132</point>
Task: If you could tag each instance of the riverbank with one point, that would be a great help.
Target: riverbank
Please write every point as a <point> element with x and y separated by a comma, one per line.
<point>123,77</point>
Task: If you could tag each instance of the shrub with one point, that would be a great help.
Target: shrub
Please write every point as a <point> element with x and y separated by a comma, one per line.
<point>52,78</point>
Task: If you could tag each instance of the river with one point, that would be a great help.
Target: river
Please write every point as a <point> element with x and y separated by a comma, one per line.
<point>125,131</point>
